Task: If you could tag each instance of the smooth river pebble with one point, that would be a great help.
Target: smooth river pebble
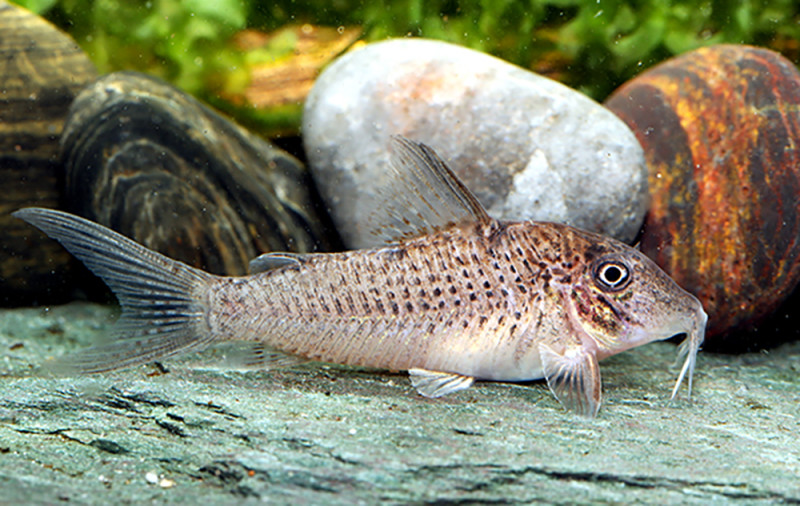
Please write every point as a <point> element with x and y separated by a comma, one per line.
<point>527,146</point>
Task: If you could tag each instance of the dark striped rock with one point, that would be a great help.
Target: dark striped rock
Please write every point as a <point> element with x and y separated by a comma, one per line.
<point>528,147</point>
<point>720,127</point>
<point>151,162</point>
<point>41,71</point>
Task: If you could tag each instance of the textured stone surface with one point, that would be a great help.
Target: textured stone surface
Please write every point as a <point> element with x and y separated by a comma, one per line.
<point>343,436</point>
<point>528,147</point>
<point>720,127</point>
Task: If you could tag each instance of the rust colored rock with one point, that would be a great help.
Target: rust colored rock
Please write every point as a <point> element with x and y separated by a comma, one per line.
<point>719,127</point>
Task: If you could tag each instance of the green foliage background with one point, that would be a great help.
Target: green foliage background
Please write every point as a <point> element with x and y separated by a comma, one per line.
<point>592,45</point>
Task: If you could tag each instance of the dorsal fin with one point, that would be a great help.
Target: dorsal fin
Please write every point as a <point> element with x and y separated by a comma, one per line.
<point>422,195</point>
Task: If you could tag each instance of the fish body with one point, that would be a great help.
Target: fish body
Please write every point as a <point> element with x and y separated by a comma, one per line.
<point>453,297</point>
<point>477,300</point>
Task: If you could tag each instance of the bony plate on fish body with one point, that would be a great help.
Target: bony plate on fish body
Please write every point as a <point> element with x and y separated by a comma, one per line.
<point>452,297</point>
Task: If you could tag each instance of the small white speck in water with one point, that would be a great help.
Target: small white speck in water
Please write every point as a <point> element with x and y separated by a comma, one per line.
<point>151,478</point>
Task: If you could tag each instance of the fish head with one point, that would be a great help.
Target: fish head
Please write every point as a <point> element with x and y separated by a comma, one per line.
<point>622,300</point>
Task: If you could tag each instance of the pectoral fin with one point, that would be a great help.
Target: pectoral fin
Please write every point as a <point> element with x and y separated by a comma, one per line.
<point>574,378</point>
<point>436,384</point>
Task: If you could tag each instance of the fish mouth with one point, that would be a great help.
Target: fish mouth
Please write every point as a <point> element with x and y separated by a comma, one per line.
<point>688,349</point>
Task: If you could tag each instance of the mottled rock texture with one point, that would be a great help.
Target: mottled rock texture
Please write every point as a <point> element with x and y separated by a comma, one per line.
<point>720,127</point>
<point>343,436</point>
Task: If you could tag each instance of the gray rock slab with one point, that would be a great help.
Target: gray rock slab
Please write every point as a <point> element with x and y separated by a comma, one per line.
<point>527,146</point>
<point>335,435</point>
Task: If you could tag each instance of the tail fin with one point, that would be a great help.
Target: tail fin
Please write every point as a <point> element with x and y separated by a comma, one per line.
<point>163,301</point>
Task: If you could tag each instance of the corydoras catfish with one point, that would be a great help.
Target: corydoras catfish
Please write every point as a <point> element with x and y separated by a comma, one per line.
<point>453,296</point>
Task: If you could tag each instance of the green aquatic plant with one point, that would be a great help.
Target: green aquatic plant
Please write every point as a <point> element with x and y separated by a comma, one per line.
<point>592,45</point>
<point>174,39</point>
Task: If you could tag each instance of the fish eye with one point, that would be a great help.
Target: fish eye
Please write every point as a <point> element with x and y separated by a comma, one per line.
<point>612,275</point>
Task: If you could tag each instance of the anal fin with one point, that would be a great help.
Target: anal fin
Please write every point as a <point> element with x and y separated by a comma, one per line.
<point>436,384</point>
<point>253,355</point>
<point>574,378</point>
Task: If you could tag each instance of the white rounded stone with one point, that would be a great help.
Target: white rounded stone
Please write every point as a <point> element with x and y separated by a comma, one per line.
<point>527,146</point>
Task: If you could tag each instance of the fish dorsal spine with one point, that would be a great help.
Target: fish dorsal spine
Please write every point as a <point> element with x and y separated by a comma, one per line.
<point>420,196</point>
